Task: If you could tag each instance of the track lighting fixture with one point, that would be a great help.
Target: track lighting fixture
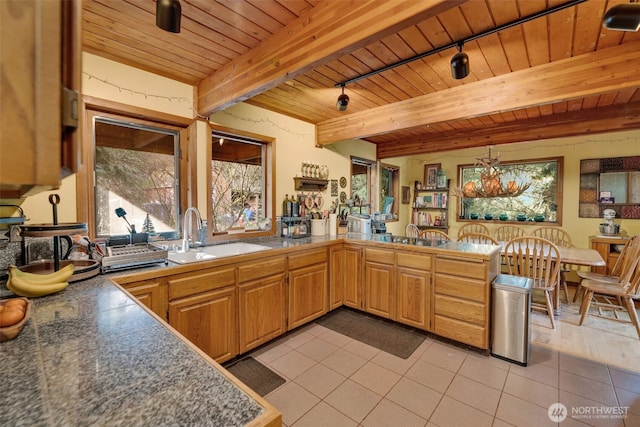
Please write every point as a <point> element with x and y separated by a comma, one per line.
<point>623,17</point>
<point>460,64</point>
<point>343,101</point>
<point>168,14</point>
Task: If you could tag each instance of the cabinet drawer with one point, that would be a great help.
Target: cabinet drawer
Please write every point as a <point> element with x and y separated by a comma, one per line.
<point>461,287</point>
<point>304,259</point>
<point>462,310</point>
<point>377,255</point>
<point>466,268</point>
<point>195,283</point>
<point>420,262</point>
<point>262,268</point>
<point>460,331</point>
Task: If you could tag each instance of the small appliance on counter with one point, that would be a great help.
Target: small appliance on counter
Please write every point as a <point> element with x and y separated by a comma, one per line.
<point>359,223</point>
<point>608,227</point>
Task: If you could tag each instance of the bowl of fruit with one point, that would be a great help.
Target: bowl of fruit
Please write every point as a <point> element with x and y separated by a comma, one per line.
<point>14,313</point>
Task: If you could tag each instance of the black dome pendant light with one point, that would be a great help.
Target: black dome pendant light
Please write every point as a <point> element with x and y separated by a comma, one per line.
<point>460,64</point>
<point>343,101</point>
<point>168,14</point>
<point>623,17</point>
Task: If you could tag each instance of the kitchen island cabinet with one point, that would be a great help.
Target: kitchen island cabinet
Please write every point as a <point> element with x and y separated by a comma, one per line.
<point>308,286</point>
<point>379,282</point>
<point>461,301</point>
<point>413,290</point>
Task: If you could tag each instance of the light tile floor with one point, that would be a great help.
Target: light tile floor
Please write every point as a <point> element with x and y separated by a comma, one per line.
<point>333,380</point>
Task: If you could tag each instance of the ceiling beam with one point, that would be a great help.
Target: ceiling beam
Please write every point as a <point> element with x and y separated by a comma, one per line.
<point>585,122</point>
<point>606,70</point>
<point>325,33</point>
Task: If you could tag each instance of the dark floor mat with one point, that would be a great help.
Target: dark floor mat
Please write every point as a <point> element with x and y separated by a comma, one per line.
<point>378,333</point>
<point>256,376</point>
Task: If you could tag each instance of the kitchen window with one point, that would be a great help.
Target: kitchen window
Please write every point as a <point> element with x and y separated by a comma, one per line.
<point>389,189</point>
<point>541,202</point>
<point>136,167</point>
<point>363,174</point>
<point>240,182</point>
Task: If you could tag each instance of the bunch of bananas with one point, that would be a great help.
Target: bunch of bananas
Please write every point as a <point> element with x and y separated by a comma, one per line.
<point>38,285</point>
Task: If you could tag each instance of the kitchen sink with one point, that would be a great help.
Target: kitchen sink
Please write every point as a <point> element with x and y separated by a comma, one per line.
<point>212,252</point>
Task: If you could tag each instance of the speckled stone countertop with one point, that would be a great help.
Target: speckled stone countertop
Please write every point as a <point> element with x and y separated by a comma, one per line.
<point>90,355</point>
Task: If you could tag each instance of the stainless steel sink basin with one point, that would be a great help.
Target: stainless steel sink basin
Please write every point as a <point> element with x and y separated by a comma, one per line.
<point>212,252</point>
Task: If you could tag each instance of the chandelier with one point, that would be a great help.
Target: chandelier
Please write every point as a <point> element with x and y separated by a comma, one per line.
<point>490,184</point>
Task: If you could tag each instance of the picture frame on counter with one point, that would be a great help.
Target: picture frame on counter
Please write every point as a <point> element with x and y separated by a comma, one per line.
<point>431,176</point>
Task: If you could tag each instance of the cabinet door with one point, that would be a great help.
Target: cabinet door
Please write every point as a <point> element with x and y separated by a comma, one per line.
<point>40,54</point>
<point>352,277</point>
<point>413,297</point>
<point>262,312</point>
<point>379,289</point>
<point>307,294</point>
<point>336,276</point>
<point>151,293</point>
<point>209,321</point>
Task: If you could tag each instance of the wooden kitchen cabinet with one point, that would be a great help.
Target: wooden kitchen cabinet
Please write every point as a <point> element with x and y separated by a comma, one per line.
<point>308,287</point>
<point>352,276</point>
<point>208,320</point>
<point>462,298</point>
<point>152,293</point>
<point>203,308</point>
<point>336,276</point>
<point>261,305</point>
<point>413,290</point>
<point>40,55</point>
<point>606,247</point>
<point>379,282</point>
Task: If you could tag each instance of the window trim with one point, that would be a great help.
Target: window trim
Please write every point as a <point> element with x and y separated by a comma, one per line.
<point>92,107</point>
<point>395,185</point>
<point>559,192</point>
<point>269,184</point>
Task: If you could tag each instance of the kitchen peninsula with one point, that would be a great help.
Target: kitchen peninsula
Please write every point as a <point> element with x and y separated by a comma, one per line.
<point>98,357</point>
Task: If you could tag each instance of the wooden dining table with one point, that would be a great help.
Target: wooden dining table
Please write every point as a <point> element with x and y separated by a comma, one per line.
<point>572,256</point>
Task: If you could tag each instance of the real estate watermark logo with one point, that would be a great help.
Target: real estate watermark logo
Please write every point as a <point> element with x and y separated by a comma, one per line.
<point>558,412</point>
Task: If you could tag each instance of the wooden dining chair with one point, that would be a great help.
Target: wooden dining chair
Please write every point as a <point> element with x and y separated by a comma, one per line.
<point>411,230</point>
<point>535,258</point>
<point>558,237</point>
<point>504,233</point>
<point>614,297</point>
<point>433,234</point>
<point>478,238</point>
<point>620,271</point>
<point>473,227</point>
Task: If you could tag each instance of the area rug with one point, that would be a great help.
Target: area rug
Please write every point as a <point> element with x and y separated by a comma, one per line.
<point>255,375</point>
<point>383,335</point>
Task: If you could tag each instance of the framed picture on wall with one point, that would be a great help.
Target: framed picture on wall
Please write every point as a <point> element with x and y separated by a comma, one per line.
<point>406,195</point>
<point>431,175</point>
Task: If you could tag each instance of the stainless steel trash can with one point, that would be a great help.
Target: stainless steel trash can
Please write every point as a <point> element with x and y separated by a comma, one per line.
<point>510,329</point>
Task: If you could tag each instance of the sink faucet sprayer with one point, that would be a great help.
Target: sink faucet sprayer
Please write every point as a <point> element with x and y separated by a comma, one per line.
<point>186,226</point>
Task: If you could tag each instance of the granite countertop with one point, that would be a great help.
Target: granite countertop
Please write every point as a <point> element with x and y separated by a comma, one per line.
<point>90,355</point>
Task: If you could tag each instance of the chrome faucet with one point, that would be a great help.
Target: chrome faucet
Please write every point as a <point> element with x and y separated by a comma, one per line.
<point>186,226</point>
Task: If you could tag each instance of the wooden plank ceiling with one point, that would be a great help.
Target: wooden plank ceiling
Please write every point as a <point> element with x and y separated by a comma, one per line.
<point>559,75</point>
